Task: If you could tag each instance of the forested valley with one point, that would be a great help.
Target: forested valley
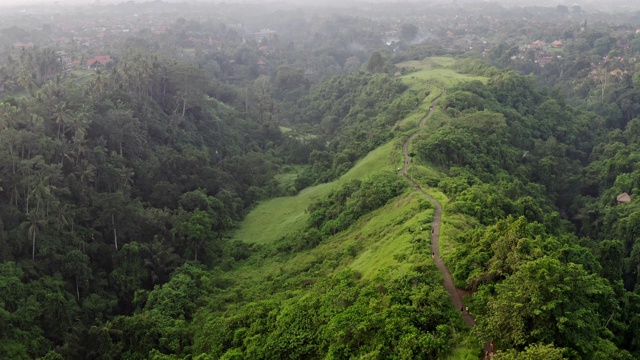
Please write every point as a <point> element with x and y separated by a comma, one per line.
<point>228,183</point>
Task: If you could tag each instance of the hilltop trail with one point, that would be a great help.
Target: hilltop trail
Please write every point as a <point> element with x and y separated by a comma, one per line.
<point>435,225</point>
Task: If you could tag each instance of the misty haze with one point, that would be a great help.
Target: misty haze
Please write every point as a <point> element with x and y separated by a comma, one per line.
<point>444,179</point>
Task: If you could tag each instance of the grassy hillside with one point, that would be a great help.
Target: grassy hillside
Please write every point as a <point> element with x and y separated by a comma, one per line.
<point>389,237</point>
<point>435,70</point>
<point>275,218</point>
<point>393,239</point>
<point>429,77</point>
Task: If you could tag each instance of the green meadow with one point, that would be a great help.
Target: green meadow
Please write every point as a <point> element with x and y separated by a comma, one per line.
<point>434,71</point>
<point>275,218</point>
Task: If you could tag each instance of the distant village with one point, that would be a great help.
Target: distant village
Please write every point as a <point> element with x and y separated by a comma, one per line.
<point>84,42</point>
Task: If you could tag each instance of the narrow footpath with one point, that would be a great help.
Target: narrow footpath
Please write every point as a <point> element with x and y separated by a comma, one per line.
<point>435,226</point>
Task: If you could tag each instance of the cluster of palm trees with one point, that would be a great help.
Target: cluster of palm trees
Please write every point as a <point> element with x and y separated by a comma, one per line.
<point>31,68</point>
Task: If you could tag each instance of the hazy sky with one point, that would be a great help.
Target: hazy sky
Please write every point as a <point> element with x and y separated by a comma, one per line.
<point>584,3</point>
<point>30,2</point>
<point>60,2</point>
<point>86,2</point>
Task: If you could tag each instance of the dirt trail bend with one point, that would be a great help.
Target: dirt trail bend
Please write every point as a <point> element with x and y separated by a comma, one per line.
<point>435,225</point>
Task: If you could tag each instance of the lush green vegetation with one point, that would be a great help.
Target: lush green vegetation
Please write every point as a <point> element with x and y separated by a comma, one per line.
<point>367,291</point>
<point>353,113</point>
<point>111,184</point>
<point>272,219</point>
<point>515,158</point>
<point>210,193</point>
<point>131,178</point>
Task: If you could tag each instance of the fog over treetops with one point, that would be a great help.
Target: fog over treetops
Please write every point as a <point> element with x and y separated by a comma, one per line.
<point>348,179</point>
<point>617,6</point>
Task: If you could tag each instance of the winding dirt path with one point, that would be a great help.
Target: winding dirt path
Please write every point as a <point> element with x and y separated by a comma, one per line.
<point>435,225</point>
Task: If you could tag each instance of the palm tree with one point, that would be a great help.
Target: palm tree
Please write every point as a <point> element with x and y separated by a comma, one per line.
<point>8,116</point>
<point>35,219</point>
<point>25,80</point>
<point>126,174</point>
<point>60,113</point>
<point>62,150</point>
<point>78,122</point>
<point>79,144</point>
<point>35,124</point>
<point>174,124</point>
<point>98,84</point>
<point>50,64</point>
<point>601,75</point>
<point>146,75</point>
<point>160,260</point>
<point>86,173</point>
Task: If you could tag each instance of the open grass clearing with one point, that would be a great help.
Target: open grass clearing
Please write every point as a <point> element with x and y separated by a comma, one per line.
<point>443,77</point>
<point>436,71</point>
<point>272,219</point>
<point>432,75</point>
<point>387,238</point>
<point>393,235</point>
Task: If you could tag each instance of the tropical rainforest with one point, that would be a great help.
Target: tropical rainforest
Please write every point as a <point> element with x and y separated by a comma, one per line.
<point>214,190</point>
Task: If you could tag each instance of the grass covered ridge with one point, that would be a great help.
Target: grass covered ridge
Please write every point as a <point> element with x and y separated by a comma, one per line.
<point>275,218</point>
<point>272,219</point>
<point>393,240</point>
